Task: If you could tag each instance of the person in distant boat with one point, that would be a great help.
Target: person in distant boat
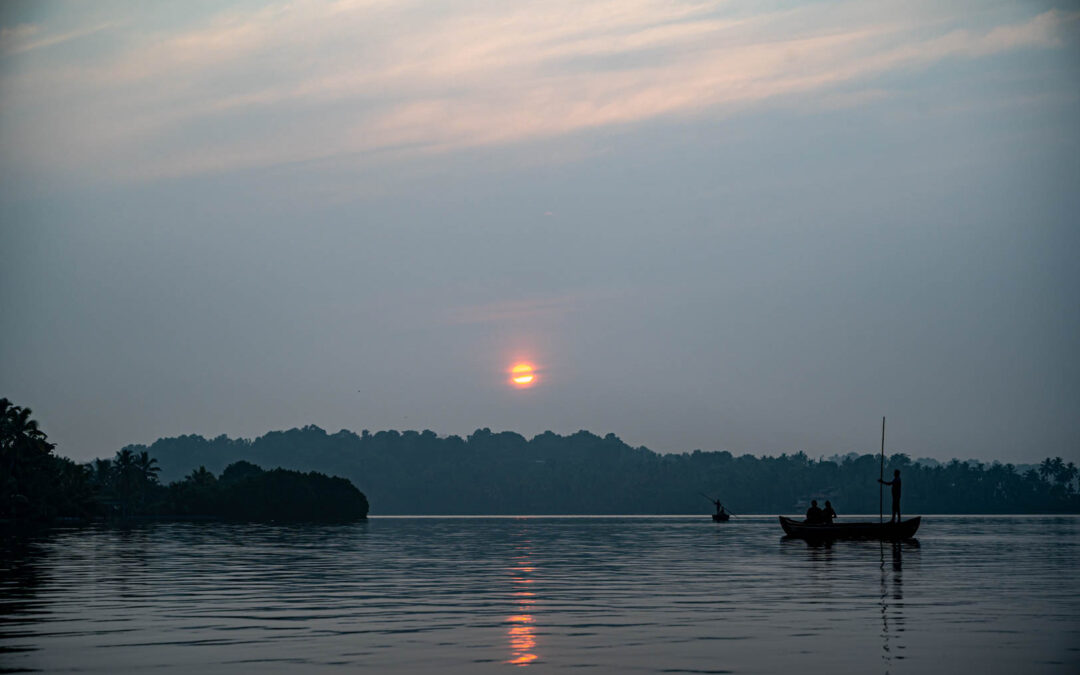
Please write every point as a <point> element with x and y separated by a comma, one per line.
<point>814,514</point>
<point>719,507</point>
<point>895,483</point>
<point>827,514</point>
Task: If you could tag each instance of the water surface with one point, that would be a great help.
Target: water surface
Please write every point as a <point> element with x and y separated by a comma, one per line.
<point>628,594</point>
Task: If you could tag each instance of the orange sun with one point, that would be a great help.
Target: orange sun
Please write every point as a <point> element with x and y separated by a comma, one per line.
<point>522,375</point>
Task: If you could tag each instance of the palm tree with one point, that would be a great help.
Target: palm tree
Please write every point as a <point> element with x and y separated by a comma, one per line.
<point>198,491</point>
<point>147,466</point>
<point>127,476</point>
<point>103,480</point>
<point>1068,475</point>
<point>1047,469</point>
<point>201,477</point>
<point>147,469</point>
<point>17,430</point>
<point>1061,473</point>
<point>103,472</point>
<point>24,454</point>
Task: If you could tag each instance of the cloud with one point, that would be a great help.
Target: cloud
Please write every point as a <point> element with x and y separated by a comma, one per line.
<point>311,80</point>
<point>14,37</point>
<point>27,37</point>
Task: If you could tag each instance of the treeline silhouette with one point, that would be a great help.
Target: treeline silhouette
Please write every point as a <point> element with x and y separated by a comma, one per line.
<point>504,473</point>
<point>38,485</point>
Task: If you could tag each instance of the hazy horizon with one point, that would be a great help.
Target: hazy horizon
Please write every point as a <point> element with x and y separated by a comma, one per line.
<point>753,227</point>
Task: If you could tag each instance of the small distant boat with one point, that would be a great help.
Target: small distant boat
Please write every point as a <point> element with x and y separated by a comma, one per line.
<point>905,529</point>
<point>722,515</point>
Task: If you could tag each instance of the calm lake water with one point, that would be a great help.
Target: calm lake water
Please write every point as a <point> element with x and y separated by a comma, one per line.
<point>668,594</point>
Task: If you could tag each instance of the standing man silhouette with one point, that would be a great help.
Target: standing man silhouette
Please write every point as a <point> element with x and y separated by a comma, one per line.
<point>895,483</point>
<point>720,512</point>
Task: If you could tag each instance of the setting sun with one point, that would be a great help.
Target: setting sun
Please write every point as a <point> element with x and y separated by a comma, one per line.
<point>522,375</point>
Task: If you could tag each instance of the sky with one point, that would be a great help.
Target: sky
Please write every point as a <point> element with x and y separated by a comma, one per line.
<point>745,226</point>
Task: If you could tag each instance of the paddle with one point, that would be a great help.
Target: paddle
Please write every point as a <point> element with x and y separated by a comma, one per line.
<point>716,501</point>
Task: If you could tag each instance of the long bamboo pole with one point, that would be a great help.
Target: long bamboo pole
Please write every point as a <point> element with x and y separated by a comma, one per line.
<point>881,477</point>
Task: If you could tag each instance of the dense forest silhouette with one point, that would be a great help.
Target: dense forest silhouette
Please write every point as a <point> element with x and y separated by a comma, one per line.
<point>486,473</point>
<point>504,473</point>
<point>38,485</point>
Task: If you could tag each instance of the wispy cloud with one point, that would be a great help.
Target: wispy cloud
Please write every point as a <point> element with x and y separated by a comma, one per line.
<point>28,37</point>
<point>310,79</point>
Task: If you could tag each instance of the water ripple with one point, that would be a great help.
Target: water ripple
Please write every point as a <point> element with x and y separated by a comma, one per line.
<point>678,595</point>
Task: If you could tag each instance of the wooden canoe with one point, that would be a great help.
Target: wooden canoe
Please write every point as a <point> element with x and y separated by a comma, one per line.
<point>904,529</point>
<point>721,517</point>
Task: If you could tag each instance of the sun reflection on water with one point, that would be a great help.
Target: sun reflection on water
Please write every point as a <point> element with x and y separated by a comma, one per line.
<point>522,630</point>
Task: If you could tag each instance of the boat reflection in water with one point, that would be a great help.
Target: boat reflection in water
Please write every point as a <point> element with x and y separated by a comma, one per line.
<point>522,631</point>
<point>829,562</point>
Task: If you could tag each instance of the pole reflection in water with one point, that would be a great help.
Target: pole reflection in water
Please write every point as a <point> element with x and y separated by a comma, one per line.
<point>896,611</point>
<point>886,652</point>
<point>522,631</point>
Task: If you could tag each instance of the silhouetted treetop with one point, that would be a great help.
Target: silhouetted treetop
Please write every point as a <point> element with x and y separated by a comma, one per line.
<point>504,472</point>
<point>36,485</point>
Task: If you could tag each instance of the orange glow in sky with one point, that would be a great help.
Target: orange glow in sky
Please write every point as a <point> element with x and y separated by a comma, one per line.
<point>522,375</point>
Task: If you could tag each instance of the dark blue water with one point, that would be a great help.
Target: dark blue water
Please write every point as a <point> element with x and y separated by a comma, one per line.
<point>671,594</point>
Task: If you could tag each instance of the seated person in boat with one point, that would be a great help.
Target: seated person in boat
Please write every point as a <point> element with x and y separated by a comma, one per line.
<point>895,483</point>
<point>827,514</point>
<point>814,514</point>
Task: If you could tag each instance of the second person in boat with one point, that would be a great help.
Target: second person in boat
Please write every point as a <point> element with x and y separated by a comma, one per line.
<point>827,514</point>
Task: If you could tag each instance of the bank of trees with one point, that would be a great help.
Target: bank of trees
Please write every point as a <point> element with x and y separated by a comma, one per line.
<point>38,485</point>
<point>35,483</point>
<point>505,473</point>
<point>485,473</point>
<point>245,491</point>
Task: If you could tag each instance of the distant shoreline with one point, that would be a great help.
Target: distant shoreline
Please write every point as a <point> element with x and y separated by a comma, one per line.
<point>703,517</point>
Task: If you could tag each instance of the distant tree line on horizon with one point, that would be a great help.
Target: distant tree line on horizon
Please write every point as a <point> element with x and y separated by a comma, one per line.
<point>504,473</point>
<point>486,473</point>
<point>38,485</point>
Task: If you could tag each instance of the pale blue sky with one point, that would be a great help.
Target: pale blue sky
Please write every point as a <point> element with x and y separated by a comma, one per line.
<point>720,225</point>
